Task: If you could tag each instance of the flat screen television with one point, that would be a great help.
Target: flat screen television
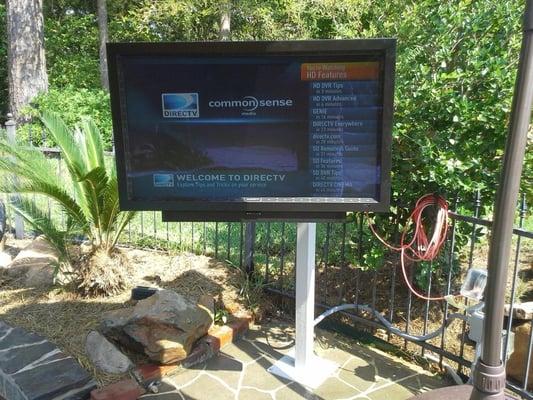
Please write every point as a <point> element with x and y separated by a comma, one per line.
<point>253,130</point>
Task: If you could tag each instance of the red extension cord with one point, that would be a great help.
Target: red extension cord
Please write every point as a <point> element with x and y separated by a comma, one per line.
<point>420,248</point>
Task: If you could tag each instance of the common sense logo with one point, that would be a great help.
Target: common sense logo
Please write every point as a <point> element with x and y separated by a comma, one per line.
<point>180,105</point>
<point>250,103</point>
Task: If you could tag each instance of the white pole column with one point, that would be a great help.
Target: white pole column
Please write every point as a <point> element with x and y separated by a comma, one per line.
<point>305,294</point>
<point>302,365</point>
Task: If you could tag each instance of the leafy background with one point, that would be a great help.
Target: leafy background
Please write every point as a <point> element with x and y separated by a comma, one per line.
<point>456,67</point>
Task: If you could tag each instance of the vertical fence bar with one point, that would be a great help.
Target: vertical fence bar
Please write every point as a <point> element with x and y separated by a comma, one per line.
<point>168,234</point>
<point>426,310</point>
<point>392,294</point>
<point>282,256</point>
<point>267,252</point>
<point>249,244</point>
<point>409,304</point>
<point>374,287</point>
<point>522,215</point>
<point>205,237</point>
<point>155,227</point>
<point>241,247</point>
<point>344,266</point>
<point>449,281</point>
<point>180,236</point>
<point>192,237</point>
<point>359,256</point>
<point>477,205</point>
<point>142,224</point>
<point>326,259</point>
<point>228,249</point>
<point>216,240</point>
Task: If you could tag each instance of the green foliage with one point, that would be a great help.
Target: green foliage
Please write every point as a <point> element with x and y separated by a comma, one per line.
<point>72,105</point>
<point>297,19</point>
<point>165,20</point>
<point>89,200</point>
<point>72,51</point>
<point>3,63</point>
<point>456,67</point>
<point>455,75</point>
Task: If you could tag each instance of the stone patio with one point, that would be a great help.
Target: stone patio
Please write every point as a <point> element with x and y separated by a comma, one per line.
<point>240,372</point>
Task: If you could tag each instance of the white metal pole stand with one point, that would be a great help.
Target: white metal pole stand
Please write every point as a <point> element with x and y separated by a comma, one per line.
<point>302,365</point>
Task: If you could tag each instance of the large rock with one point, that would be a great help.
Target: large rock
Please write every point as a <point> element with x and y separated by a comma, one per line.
<point>516,364</point>
<point>163,326</point>
<point>35,263</point>
<point>105,356</point>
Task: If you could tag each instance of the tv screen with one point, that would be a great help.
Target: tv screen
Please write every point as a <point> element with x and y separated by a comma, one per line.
<point>255,127</point>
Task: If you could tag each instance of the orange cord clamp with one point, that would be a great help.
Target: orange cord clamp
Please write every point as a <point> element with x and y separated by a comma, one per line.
<point>419,248</point>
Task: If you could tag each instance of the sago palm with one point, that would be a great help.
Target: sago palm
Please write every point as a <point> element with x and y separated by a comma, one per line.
<point>88,195</point>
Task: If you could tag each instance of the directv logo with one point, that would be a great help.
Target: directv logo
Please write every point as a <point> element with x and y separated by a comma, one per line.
<point>180,105</point>
<point>163,180</point>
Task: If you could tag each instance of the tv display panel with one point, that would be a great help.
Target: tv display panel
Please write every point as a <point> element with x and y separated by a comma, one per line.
<point>253,126</point>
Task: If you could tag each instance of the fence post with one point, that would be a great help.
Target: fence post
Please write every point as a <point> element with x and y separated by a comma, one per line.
<point>11,137</point>
<point>249,242</point>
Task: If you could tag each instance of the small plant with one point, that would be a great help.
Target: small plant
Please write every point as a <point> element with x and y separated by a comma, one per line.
<point>251,288</point>
<point>89,200</point>
<point>221,316</point>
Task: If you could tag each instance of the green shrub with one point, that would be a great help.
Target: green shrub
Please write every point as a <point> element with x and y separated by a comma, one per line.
<point>72,51</point>
<point>71,104</point>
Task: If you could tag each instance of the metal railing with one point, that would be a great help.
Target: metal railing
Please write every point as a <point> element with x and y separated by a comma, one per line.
<point>344,274</point>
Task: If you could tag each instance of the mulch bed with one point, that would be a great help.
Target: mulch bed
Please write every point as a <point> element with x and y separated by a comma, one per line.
<point>66,318</point>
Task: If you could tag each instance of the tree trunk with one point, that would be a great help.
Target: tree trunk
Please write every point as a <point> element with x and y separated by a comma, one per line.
<point>102,28</point>
<point>27,75</point>
<point>225,21</point>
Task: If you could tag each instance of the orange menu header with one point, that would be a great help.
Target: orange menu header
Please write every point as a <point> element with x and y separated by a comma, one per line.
<point>340,71</point>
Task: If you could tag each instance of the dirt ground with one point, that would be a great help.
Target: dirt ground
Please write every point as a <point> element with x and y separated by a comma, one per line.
<point>66,318</point>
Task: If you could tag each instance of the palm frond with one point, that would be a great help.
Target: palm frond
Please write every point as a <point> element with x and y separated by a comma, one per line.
<point>93,144</point>
<point>56,193</point>
<point>66,141</point>
<point>39,220</point>
<point>124,218</point>
<point>95,184</point>
<point>27,162</point>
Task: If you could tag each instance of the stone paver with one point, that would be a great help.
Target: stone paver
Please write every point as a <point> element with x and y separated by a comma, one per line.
<point>240,372</point>
<point>33,368</point>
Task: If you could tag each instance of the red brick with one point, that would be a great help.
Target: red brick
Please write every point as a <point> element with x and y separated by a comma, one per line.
<point>150,372</point>
<point>126,389</point>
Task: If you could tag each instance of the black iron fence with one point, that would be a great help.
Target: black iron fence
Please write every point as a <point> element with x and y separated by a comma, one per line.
<point>351,267</point>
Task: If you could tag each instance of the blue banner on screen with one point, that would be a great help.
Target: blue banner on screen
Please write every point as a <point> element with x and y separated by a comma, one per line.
<point>234,128</point>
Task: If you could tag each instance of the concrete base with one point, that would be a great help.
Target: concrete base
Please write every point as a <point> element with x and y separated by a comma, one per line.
<point>315,373</point>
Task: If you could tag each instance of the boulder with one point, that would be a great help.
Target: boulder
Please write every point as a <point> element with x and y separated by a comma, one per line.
<point>516,364</point>
<point>105,356</point>
<point>163,326</point>
<point>36,263</point>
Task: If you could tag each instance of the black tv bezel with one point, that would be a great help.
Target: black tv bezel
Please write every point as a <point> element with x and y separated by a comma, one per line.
<point>291,210</point>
